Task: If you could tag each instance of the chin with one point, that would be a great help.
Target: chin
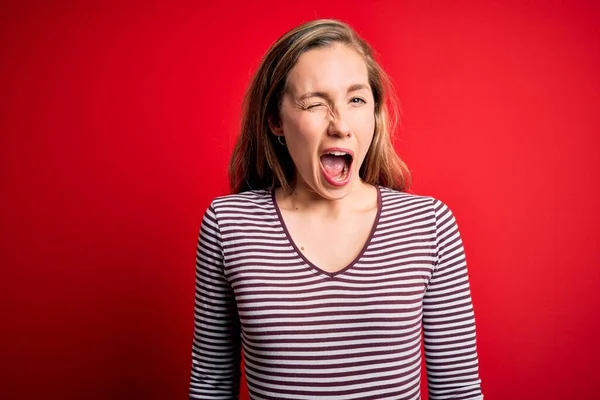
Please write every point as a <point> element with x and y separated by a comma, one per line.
<point>333,192</point>
<point>323,186</point>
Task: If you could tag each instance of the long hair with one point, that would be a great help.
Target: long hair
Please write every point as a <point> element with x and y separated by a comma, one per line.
<point>258,162</point>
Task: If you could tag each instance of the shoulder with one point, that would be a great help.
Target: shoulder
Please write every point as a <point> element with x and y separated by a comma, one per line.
<point>396,197</point>
<point>253,202</point>
<point>394,200</point>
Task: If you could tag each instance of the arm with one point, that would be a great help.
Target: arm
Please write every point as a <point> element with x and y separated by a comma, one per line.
<point>215,371</point>
<point>448,319</point>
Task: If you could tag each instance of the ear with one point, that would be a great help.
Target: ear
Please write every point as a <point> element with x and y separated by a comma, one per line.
<point>275,127</point>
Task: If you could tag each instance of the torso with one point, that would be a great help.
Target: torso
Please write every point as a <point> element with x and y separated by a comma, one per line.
<point>357,330</point>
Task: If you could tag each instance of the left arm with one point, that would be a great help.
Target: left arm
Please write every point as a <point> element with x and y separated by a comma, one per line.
<point>448,318</point>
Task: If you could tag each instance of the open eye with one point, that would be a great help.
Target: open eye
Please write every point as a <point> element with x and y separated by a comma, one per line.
<point>358,101</point>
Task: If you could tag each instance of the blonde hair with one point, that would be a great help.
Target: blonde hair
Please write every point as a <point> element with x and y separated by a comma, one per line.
<point>258,162</point>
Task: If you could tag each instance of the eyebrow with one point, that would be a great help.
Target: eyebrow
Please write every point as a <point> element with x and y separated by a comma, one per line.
<point>352,88</point>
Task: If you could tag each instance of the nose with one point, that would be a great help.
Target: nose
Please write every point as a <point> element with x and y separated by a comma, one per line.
<point>338,124</point>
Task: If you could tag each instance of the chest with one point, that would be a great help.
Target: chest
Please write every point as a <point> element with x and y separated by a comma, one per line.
<point>276,288</point>
<point>330,245</point>
<point>389,299</point>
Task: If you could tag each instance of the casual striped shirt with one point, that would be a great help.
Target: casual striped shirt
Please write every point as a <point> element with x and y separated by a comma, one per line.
<point>353,334</point>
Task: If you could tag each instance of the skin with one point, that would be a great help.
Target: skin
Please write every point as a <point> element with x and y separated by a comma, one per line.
<point>327,103</point>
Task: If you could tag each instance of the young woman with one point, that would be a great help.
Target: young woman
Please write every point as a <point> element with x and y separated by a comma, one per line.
<point>320,266</point>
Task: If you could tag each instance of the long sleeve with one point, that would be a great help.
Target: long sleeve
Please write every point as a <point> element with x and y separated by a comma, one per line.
<point>215,373</point>
<point>448,318</point>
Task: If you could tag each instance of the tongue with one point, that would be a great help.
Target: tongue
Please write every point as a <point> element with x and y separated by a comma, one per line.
<point>334,165</point>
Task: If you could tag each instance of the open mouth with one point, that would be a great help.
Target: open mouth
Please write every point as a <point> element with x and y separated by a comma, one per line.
<point>336,166</point>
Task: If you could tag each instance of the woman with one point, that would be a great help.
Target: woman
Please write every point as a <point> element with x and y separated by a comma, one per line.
<point>320,266</point>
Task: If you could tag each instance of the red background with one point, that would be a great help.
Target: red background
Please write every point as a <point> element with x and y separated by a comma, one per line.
<point>116,126</point>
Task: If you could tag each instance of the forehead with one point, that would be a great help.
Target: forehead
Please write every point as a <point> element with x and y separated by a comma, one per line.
<point>330,69</point>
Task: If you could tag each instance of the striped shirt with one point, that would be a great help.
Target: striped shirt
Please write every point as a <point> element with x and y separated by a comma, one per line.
<point>353,334</point>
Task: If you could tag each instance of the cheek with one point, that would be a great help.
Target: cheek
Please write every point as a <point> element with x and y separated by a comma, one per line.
<point>302,137</point>
<point>304,130</point>
<point>364,124</point>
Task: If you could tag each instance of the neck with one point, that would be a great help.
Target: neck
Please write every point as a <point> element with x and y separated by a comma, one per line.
<point>303,198</point>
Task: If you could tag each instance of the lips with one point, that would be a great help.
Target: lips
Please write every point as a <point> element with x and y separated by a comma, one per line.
<point>336,165</point>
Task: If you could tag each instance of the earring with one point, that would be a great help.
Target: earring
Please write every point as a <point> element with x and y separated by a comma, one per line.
<point>281,140</point>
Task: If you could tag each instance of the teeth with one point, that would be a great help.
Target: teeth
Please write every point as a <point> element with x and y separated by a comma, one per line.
<point>338,153</point>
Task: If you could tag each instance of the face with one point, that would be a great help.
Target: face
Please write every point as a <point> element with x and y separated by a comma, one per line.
<point>327,117</point>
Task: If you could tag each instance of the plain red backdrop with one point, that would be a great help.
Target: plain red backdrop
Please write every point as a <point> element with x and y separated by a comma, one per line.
<point>116,124</point>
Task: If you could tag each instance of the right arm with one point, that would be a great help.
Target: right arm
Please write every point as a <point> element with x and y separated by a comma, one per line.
<point>215,371</point>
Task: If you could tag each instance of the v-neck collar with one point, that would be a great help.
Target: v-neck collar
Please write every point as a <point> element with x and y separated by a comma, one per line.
<point>306,260</point>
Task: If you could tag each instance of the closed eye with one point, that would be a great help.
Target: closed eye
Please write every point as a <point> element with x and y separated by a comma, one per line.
<point>313,106</point>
